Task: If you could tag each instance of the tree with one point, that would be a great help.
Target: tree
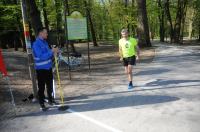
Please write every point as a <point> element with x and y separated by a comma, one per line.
<point>11,25</point>
<point>196,21</point>
<point>88,10</point>
<point>19,27</point>
<point>107,17</point>
<point>172,19</point>
<point>59,23</point>
<point>34,16</point>
<point>44,14</point>
<point>161,20</point>
<point>175,30</point>
<point>133,21</point>
<point>167,11</point>
<point>190,22</point>
<point>143,27</point>
<point>179,20</point>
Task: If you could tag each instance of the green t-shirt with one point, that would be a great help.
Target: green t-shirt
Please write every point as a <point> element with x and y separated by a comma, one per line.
<point>128,47</point>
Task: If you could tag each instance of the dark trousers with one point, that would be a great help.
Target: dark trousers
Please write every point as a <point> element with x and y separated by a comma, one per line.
<point>45,78</point>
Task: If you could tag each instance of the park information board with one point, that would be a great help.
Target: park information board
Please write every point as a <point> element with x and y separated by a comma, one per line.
<point>77,26</point>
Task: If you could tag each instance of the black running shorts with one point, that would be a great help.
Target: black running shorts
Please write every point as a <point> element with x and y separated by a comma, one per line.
<point>129,61</point>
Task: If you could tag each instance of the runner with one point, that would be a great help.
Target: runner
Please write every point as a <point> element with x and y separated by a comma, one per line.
<point>128,47</point>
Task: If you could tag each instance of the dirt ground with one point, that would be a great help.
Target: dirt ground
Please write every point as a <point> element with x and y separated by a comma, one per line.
<point>104,60</point>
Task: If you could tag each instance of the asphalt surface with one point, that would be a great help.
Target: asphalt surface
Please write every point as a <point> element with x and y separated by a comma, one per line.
<point>166,98</point>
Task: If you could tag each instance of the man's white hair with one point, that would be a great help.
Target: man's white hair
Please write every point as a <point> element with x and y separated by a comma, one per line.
<point>125,30</point>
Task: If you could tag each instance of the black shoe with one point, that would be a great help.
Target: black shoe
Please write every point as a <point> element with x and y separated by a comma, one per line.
<point>46,100</point>
<point>43,108</point>
<point>53,103</point>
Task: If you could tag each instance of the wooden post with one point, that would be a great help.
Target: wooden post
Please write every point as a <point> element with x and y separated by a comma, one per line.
<point>66,36</point>
<point>28,47</point>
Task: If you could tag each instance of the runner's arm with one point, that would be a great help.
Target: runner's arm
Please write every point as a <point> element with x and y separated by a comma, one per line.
<point>120,52</point>
<point>138,52</point>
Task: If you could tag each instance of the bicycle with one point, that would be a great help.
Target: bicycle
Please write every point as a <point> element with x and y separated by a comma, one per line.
<point>75,59</point>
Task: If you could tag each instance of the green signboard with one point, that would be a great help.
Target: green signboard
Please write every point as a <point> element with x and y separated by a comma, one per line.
<point>76,26</point>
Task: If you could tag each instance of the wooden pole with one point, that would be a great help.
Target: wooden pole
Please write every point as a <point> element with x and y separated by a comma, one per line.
<point>66,37</point>
<point>28,47</point>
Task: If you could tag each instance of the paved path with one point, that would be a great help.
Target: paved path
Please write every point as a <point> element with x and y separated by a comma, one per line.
<point>166,98</point>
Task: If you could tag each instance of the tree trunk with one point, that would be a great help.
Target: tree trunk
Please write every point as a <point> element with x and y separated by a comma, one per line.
<point>22,42</point>
<point>177,26</point>
<point>58,21</point>
<point>103,23</point>
<point>91,24</point>
<point>133,29</point>
<point>162,28</point>
<point>46,22</point>
<point>199,31</point>
<point>126,3</point>
<point>161,19</point>
<point>170,20</point>
<point>15,41</point>
<point>21,37</point>
<point>183,20</point>
<point>19,28</point>
<point>34,16</point>
<point>190,27</point>
<point>143,27</point>
<point>180,20</point>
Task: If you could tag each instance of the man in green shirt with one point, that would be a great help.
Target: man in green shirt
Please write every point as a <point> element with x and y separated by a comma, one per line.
<point>129,52</point>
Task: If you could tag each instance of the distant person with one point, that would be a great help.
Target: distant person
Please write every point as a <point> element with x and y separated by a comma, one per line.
<point>43,64</point>
<point>129,52</point>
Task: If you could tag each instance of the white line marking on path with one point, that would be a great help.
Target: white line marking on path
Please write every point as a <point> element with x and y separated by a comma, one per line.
<point>94,121</point>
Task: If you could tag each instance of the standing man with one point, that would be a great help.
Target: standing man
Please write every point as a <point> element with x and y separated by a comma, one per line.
<point>128,48</point>
<point>43,64</point>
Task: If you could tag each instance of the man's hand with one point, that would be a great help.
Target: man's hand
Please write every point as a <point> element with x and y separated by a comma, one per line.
<point>138,53</point>
<point>55,51</point>
<point>137,57</point>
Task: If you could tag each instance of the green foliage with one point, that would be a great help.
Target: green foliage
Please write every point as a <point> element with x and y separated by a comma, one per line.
<point>9,15</point>
<point>153,12</point>
<point>108,16</point>
<point>111,16</point>
<point>196,21</point>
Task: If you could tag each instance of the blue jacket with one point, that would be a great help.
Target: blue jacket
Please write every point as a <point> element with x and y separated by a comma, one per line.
<point>42,54</point>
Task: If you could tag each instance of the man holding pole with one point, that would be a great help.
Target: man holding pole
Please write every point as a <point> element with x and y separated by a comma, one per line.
<point>43,64</point>
<point>128,47</point>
